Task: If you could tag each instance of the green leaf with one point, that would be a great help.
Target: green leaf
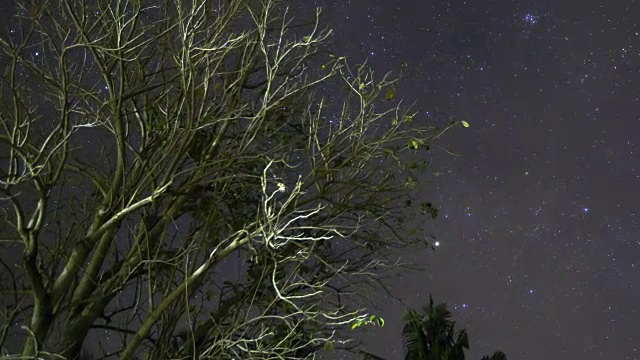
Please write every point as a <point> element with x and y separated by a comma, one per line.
<point>372,317</point>
<point>415,143</point>
<point>328,346</point>
<point>380,321</point>
<point>411,183</point>
<point>307,38</point>
<point>408,118</point>
<point>355,325</point>
<point>428,208</point>
<point>464,123</point>
<point>390,94</point>
<point>161,124</point>
<point>361,86</point>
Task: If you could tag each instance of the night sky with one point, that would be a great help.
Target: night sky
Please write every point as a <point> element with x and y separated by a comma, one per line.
<point>538,230</point>
<point>540,244</point>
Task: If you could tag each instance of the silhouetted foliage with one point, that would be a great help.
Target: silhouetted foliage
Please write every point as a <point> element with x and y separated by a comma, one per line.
<point>431,335</point>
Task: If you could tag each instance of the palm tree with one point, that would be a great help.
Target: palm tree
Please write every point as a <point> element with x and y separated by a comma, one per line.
<point>432,335</point>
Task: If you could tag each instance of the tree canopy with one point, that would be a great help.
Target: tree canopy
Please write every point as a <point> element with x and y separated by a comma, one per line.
<point>196,177</point>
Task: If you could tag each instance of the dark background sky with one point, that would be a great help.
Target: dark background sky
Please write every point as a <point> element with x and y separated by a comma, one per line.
<point>538,226</point>
<point>540,245</point>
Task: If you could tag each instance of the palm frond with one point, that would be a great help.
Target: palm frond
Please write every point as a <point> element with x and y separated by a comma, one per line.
<point>498,355</point>
<point>416,344</point>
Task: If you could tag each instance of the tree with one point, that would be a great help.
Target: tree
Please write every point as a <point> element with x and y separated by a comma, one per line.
<point>149,153</point>
<point>431,335</point>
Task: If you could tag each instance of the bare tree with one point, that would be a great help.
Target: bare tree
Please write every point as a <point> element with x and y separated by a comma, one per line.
<point>174,183</point>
